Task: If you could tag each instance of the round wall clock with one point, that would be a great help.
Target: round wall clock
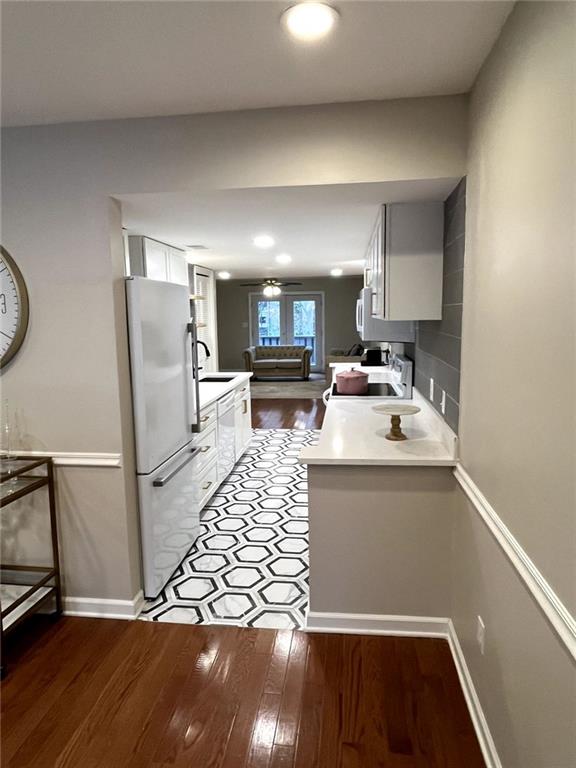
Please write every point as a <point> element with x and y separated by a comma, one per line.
<point>13,308</point>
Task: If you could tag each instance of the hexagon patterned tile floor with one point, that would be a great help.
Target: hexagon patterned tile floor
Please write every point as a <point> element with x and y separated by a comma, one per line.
<point>249,566</point>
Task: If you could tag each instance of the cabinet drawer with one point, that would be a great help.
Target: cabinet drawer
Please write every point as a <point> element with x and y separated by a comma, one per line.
<point>243,391</point>
<point>225,403</point>
<point>207,442</point>
<point>207,484</point>
<point>207,417</point>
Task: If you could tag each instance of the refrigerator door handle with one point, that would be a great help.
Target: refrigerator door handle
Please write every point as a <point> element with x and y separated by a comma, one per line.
<point>195,369</point>
<point>162,481</point>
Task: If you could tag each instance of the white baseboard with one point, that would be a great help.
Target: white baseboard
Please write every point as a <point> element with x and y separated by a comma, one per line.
<point>415,626</point>
<point>474,707</point>
<point>99,608</point>
<point>373,624</point>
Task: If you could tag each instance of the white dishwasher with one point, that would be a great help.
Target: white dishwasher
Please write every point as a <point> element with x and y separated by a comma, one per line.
<point>226,436</point>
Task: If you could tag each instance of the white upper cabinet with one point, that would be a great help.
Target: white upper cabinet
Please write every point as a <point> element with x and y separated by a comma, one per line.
<point>156,260</point>
<point>404,262</point>
<point>177,266</point>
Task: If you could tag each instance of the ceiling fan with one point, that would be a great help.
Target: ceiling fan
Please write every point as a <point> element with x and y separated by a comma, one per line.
<point>271,286</point>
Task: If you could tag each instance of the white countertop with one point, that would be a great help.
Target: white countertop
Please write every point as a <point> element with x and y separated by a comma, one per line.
<point>210,391</point>
<point>353,434</point>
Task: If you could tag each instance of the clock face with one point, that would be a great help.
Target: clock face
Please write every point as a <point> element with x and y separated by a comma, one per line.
<point>13,308</point>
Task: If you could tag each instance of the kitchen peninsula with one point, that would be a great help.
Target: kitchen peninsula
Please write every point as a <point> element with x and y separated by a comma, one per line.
<point>380,517</point>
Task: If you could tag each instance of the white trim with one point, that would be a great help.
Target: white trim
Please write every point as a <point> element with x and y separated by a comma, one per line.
<point>373,624</point>
<point>76,459</point>
<point>101,608</point>
<point>479,721</point>
<point>555,611</point>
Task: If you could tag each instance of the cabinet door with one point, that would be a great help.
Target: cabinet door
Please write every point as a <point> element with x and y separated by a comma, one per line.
<point>177,267</point>
<point>415,256</point>
<point>378,271</point>
<point>238,430</point>
<point>156,260</point>
<point>246,421</point>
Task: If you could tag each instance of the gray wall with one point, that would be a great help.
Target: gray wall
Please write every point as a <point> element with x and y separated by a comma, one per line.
<point>69,383</point>
<point>517,445</point>
<point>438,342</point>
<point>340,296</point>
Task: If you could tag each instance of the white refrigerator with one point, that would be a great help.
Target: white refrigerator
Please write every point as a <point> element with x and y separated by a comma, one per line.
<point>161,339</point>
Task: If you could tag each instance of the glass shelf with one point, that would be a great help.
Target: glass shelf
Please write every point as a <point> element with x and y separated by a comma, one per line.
<point>12,467</point>
<point>16,487</point>
<point>10,593</point>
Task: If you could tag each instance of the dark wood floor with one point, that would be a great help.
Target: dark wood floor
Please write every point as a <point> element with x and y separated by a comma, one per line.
<point>96,693</point>
<point>287,414</point>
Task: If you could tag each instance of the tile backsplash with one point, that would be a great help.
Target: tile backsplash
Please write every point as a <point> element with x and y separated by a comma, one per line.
<point>438,342</point>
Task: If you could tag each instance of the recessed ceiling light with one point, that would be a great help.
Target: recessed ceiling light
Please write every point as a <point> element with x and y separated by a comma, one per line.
<point>224,275</point>
<point>283,258</point>
<point>336,272</point>
<point>264,241</point>
<point>310,21</point>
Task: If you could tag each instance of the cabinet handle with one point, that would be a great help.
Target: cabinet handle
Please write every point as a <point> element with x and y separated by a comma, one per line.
<point>244,406</point>
<point>204,418</point>
<point>243,389</point>
<point>204,448</point>
<point>205,487</point>
<point>161,481</point>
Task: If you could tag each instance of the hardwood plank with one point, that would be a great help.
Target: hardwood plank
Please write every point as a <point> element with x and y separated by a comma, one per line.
<point>289,715</point>
<point>115,694</point>
<point>306,755</point>
<point>287,413</point>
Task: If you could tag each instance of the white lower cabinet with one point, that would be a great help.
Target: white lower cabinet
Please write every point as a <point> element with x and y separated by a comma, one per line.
<point>226,436</point>
<point>242,424</point>
<point>226,431</point>
<point>207,484</point>
<point>207,441</point>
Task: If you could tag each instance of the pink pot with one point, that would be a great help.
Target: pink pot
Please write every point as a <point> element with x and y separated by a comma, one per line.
<point>352,382</point>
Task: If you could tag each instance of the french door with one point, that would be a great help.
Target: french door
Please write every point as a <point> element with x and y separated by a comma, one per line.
<point>292,318</point>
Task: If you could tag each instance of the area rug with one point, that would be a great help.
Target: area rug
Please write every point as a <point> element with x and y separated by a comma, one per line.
<point>269,390</point>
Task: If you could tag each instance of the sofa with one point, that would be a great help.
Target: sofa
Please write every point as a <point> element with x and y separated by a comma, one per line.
<point>278,362</point>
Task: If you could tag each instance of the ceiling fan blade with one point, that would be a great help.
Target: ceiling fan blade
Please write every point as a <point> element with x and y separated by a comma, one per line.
<point>251,285</point>
<point>289,283</point>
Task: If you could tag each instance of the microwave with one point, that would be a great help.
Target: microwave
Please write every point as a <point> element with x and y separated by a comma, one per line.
<point>373,328</point>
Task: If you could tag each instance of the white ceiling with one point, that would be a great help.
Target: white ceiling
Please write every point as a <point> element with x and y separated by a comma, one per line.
<point>321,227</point>
<point>71,61</point>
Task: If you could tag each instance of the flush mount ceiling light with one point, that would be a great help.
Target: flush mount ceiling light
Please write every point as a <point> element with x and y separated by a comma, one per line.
<point>336,272</point>
<point>224,275</point>
<point>264,241</point>
<point>309,22</point>
<point>283,258</point>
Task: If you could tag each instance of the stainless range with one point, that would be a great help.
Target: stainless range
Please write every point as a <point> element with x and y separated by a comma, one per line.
<point>392,382</point>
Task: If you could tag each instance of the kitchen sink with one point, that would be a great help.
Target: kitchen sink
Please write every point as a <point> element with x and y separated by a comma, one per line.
<point>217,379</point>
